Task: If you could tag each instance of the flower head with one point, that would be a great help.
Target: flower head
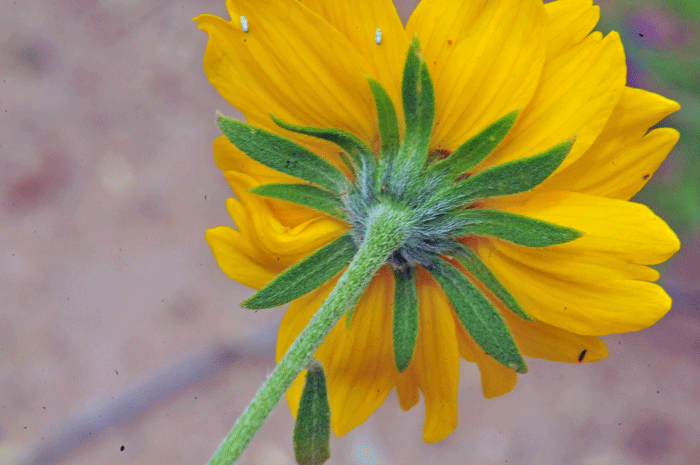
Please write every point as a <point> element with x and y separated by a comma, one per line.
<point>505,135</point>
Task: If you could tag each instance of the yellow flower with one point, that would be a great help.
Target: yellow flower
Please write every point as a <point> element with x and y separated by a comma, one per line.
<point>307,63</point>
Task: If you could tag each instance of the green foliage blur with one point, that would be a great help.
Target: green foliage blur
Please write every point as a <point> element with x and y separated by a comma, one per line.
<point>662,43</point>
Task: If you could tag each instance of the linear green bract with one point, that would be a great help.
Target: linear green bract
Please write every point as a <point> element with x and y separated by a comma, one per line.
<point>306,275</point>
<point>405,326</point>
<point>479,317</point>
<point>304,194</point>
<point>283,155</point>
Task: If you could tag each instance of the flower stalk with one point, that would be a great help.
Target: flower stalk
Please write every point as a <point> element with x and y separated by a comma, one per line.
<point>388,228</point>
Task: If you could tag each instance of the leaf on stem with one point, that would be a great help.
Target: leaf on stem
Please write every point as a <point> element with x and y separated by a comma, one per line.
<point>312,428</point>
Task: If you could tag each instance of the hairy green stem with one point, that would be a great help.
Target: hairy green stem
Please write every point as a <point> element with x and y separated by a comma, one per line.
<point>387,229</point>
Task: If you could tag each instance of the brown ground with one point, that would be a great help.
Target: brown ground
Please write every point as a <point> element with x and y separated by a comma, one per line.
<point>118,330</point>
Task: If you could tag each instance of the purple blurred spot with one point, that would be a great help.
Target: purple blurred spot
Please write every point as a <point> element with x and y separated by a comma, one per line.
<point>652,28</point>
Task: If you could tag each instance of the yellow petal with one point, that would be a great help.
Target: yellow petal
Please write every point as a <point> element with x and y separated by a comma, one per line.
<point>285,213</point>
<point>407,389</point>
<point>621,229</point>
<point>277,236</point>
<point>484,66</point>
<point>578,91</point>
<point>436,22</point>
<point>435,361</point>
<point>535,338</point>
<point>358,22</point>
<point>496,379</point>
<point>624,156</point>
<point>588,305</point>
<point>595,284</point>
<point>238,258</point>
<point>635,165</point>
<point>540,340</point>
<point>359,363</point>
<point>569,22</point>
<point>557,261</point>
<point>292,63</point>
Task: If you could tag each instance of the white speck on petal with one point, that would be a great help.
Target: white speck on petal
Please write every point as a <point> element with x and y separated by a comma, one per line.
<point>378,36</point>
<point>244,24</point>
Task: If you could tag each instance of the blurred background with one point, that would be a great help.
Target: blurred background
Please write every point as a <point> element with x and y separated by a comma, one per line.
<point>121,341</point>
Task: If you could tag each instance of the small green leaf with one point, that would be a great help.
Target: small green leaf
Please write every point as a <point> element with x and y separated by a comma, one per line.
<point>304,194</point>
<point>388,122</point>
<point>514,228</point>
<point>508,178</point>
<point>473,264</point>
<point>283,155</point>
<point>312,429</point>
<point>470,153</point>
<point>405,316</point>
<point>479,317</point>
<point>305,276</point>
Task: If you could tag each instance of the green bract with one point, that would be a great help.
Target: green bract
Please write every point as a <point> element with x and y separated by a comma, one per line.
<point>283,155</point>
<point>436,193</point>
<point>405,316</point>
<point>306,275</point>
<point>478,315</point>
<point>304,194</point>
<point>469,154</point>
<point>471,262</point>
